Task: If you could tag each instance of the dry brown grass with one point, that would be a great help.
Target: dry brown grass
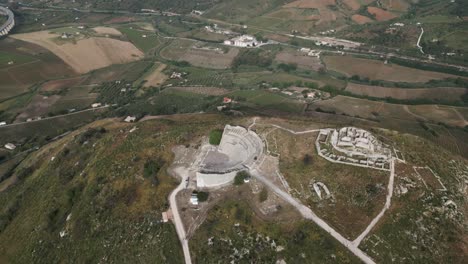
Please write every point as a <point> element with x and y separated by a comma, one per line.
<point>440,93</point>
<point>352,4</point>
<point>435,113</point>
<point>360,19</point>
<point>311,3</point>
<point>107,31</point>
<point>87,54</point>
<point>352,209</point>
<point>396,112</point>
<point>396,5</point>
<point>210,59</point>
<point>377,70</point>
<point>57,85</point>
<point>39,106</point>
<point>301,59</point>
<point>157,77</point>
<point>202,90</point>
<point>380,14</point>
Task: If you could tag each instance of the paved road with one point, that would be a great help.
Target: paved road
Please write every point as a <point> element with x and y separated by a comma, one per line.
<point>176,216</point>
<point>309,214</point>
<point>54,117</point>
<point>388,203</point>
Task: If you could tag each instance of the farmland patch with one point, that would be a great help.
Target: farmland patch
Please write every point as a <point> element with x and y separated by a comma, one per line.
<point>438,93</point>
<point>380,14</point>
<point>378,70</point>
<point>87,54</point>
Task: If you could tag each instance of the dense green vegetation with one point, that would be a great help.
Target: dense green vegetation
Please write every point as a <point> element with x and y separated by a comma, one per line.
<point>240,177</point>
<point>215,136</point>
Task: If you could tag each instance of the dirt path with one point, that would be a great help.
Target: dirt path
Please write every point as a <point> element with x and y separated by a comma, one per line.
<point>460,116</point>
<point>309,214</point>
<point>388,203</point>
<point>54,117</point>
<point>406,108</point>
<point>183,173</point>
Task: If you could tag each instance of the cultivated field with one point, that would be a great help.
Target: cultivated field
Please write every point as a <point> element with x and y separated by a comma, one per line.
<point>352,4</point>
<point>396,5</point>
<point>30,64</point>
<point>377,70</point>
<point>435,113</point>
<point>185,50</point>
<point>57,85</point>
<point>380,14</point>
<point>201,90</point>
<point>438,93</point>
<point>107,31</point>
<point>87,54</point>
<point>360,19</point>
<point>381,110</point>
<point>302,60</point>
<point>210,59</point>
<point>311,3</point>
<point>156,77</point>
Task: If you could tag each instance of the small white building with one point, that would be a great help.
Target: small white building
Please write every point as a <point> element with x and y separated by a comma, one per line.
<point>242,41</point>
<point>10,146</point>
<point>194,199</point>
<point>130,119</point>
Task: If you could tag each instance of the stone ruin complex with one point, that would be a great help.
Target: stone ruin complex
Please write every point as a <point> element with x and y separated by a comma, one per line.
<point>353,145</point>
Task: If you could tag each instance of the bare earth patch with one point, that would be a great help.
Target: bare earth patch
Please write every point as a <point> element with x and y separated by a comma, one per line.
<point>202,90</point>
<point>397,5</point>
<point>39,106</point>
<point>377,70</point>
<point>87,54</point>
<point>157,77</point>
<point>441,93</point>
<point>107,31</point>
<point>56,85</point>
<point>352,4</point>
<point>302,61</point>
<point>209,58</point>
<point>311,3</point>
<point>361,19</point>
<point>380,14</point>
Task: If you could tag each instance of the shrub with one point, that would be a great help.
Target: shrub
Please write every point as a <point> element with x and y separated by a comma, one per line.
<point>287,67</point>
<point>151,169</point>
<point>240,176</point>
<point>202,196</point>
<point>307,159</point>
<point>215,136</point>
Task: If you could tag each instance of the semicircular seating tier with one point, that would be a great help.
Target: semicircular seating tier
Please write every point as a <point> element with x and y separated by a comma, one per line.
<point>238,150</point>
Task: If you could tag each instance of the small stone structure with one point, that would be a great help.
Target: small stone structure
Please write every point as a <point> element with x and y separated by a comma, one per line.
<point>238,150</point>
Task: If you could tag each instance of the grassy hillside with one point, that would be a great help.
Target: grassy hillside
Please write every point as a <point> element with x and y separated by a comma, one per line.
<point>93,187</point>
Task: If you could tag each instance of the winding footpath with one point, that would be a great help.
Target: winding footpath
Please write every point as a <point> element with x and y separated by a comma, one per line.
<point>388,202</point>
<point>307,213</point>
<point>176,216</point>
<point>419,41</point>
